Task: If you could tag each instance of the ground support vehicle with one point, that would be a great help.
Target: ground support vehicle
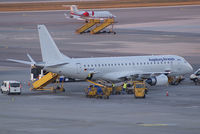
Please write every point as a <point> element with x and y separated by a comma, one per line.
<point>11,87</point>
<point>139,89</point>
<point>196,77</point>
<point>175,80</point>
<point>118,90</point>
<point>91,92</point>
<point>97,92</point>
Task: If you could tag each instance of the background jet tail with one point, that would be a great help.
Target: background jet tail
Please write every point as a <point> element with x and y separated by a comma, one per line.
<point>73,8</point>
<point>50,52</point>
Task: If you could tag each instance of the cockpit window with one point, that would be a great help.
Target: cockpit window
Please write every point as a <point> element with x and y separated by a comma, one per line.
<point>198,73</point>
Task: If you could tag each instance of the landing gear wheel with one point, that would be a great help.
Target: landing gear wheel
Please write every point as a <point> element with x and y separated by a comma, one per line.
<point>8,92</point>
<point>195,81</point>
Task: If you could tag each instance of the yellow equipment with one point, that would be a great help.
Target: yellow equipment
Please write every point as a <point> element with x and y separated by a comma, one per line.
<point>106,92</point>
<point>106,23</point>
<point>175,80</point>
<point>139,89</point>
<point>44,81</point>
<point>109,89</point>
<point>91,91</point>
<point>95,83</point>
<point>118,90</point>
<point>99,26</point>
<point>88,25</point>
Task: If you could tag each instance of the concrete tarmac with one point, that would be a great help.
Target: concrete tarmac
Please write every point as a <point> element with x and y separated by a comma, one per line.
<point>140,31</point>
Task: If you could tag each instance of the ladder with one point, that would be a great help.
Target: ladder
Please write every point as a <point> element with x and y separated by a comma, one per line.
<point>44,81</point>
<point>106,23</point>
<point>88,25</point>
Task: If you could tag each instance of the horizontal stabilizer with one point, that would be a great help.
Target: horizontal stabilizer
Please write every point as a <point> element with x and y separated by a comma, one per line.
<point>21,61</point>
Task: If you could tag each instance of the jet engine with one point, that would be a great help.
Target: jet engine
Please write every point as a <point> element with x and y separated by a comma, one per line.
<point>86,14</point>
<point>158,80</point>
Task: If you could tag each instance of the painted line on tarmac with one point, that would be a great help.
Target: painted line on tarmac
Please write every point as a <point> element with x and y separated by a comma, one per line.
<point>155,125</point>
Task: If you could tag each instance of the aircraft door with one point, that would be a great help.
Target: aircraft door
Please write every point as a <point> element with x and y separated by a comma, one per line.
<point>179,65</point>
<point>78,68</point>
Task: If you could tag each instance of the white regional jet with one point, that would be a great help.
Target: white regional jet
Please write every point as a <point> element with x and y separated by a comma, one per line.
<point>154,69</point>
<point>86,15</point>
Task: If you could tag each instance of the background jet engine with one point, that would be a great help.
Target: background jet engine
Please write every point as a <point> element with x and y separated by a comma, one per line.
<point>158,80</point>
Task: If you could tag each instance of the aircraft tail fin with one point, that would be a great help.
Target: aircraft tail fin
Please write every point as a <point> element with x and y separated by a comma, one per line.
<point>50,52</point>
<point>73,8</point>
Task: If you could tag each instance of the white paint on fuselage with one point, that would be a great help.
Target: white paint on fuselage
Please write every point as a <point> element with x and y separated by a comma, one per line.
<point>97,14</point>
<point>111,68</point>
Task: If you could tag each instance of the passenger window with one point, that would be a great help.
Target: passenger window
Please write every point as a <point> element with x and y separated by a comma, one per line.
<point>133,64</point>
<point>111,64</point>
<point>99,65</point>
<point>95,65</point>
<point>88,65</point>
<point>126,64</point>
<point>144,63</point>
<point>140,63</point>
<point>102,65</point>
<point>84,65</point>
<point>108,64</point>
<point>137,63</point>
<point>105,64</point>
<point>122,64</point>
<point>91,65</point>
<point>118,64</point>
<point>129,64</point>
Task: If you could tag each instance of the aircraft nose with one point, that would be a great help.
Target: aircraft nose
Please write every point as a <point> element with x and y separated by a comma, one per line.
<point>190,68</point>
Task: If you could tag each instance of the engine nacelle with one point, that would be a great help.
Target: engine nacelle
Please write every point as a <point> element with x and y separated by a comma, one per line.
<point>158,80</point>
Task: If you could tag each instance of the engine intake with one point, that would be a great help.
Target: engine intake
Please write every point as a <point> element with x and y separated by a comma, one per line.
<point>157,80</point>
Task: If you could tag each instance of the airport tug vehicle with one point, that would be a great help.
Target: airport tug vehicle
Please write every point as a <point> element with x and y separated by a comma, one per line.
<point>97,90</point>
<point>195,77</point>
<point>140,89</point>
<point>175,80</point>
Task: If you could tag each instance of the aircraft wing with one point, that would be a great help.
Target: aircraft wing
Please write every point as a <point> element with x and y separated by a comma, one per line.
<point>132,75</point>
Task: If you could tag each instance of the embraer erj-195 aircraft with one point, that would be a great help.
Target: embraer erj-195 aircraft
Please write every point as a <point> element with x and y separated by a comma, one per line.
<point>154,69</point>
<point>86,15</point>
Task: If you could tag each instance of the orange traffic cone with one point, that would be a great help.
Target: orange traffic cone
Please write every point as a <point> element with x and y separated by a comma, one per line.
<point>167,94</point>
